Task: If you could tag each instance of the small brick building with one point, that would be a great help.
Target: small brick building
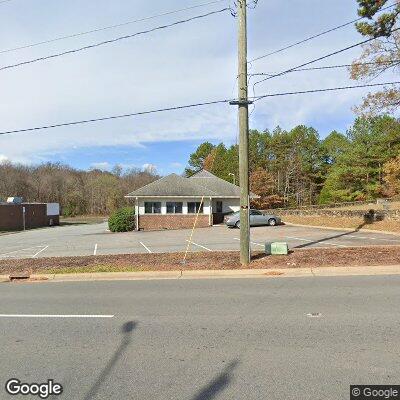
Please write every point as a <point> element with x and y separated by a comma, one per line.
<point>15,217</point>
<point>172,202</point>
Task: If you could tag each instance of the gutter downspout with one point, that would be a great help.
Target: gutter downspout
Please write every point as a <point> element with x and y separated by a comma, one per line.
<point>210,217</point>
<point>137,213</point>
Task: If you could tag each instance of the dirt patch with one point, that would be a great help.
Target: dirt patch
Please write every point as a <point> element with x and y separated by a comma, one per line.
<point>343,222</point>
<point>82,220</point>
<point>301,258</point>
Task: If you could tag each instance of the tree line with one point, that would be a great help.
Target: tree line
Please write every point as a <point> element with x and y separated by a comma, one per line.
<point>79,192</point>
<point>296,167</point>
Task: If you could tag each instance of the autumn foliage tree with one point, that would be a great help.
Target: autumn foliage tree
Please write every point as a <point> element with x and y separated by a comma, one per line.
<point>295,167</point>
<point>392,176</point>
<point>78,192</point>
<point>262,184</point>
<point>379,55</point>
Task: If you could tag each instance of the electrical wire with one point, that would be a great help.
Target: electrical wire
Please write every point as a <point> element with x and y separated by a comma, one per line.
<point>318,59</point>
<point>115,117</point>
<point>331,67</point>
<point>113,40</point>
<point>325,90</point>
<point>104,28</point>
<point>200,104</point>
<point>313,37</point>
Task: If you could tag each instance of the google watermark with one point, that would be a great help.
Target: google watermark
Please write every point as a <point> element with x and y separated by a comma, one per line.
<point>375,392</point>
<point>15,387</point>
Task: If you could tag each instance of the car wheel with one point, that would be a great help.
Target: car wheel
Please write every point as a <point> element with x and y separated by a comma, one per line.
<point>237,224</point>
<point>272,222</point>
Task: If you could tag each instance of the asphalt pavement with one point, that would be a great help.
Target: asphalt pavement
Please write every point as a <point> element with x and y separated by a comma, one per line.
<point>292,338</point>
<point>95,239</point>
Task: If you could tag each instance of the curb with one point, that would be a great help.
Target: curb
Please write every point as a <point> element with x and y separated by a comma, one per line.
<point>216,274</point>
<point>344,229</point>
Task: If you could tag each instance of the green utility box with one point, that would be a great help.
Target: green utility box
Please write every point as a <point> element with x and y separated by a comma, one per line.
<point>276,248</point>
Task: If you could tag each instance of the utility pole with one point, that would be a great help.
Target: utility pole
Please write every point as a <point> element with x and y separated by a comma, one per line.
<point>243,104</point>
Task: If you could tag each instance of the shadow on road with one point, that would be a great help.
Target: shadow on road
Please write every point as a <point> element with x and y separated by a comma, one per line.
<point>126,330</point>
<point>331,237</point>
<point>218,384</point>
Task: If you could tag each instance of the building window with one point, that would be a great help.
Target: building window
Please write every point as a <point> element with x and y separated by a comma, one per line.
<point>152,207</point>
<point>193,207</point>
<point>174,207</point>
<point>219,207</point>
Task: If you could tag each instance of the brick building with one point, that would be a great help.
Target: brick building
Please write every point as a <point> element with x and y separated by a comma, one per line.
<point>172,202</point>
<point>14,217</point>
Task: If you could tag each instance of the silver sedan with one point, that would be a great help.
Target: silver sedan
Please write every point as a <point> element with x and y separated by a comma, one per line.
<point>257,218</point>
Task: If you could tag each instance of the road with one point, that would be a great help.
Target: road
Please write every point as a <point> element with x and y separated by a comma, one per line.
<point>203,339</point>
<point>95,239</point>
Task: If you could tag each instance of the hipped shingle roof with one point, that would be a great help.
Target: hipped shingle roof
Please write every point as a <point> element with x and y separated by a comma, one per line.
<point>203,183</point>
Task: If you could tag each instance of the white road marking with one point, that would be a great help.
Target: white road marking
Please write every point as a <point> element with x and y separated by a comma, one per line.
<point>53,316</point>
<point>18,251</point>
<point>40,251</point>
<point>373,238</point>
<point>316,241</point>
<point>256,244</point>
<point>199,245</point>
<point>95,249</point>
<point>359,237</point>
<point>148,250</point>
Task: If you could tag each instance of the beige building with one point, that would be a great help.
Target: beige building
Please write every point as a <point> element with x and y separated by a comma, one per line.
<point>173,201</point>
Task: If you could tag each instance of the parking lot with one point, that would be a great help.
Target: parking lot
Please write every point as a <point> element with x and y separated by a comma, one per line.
<point>95,239</point>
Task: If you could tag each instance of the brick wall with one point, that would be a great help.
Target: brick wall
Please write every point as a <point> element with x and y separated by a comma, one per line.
<point>11,216</point>
<point>172,221</point>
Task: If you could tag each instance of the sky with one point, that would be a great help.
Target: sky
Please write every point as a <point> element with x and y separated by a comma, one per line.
<point>188,63</point>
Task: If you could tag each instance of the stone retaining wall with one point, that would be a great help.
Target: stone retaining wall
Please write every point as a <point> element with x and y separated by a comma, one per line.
<point>390,215</point>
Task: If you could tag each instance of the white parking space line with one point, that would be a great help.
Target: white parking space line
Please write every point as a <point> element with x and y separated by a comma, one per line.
<point>148,250</point>
<point>95,249</point>
<point>18,251</point>
<point>256,244</point>
<point>40,251</point>
<point>53,316</point>
<point>316,241</point>
<point>199,245</point>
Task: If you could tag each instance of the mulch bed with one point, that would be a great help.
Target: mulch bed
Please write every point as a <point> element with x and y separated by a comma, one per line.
<point>356,256</point>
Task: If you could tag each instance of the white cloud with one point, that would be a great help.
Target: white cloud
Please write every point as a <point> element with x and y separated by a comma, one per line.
<point>182,65</point>
<point>150,168</point>
<point>3,158</point>
<point>102,166</point>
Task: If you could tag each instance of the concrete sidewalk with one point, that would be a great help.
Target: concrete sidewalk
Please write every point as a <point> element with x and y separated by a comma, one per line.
<point>215,274</point>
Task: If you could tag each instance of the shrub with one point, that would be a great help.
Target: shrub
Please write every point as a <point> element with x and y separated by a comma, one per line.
<point>122,220</point>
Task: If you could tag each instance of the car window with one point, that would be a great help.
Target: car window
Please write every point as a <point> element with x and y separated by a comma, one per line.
<point>255,212</point>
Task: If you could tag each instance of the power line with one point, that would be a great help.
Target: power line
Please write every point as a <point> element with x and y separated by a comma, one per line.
<point>313,37</point>
<point>325,90</point>
<point>104,28</point>
<point>115,117</point>
<point>113,40</point>
<point>200,104</point>
<point>318,59</point>
<point>331,67</point>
